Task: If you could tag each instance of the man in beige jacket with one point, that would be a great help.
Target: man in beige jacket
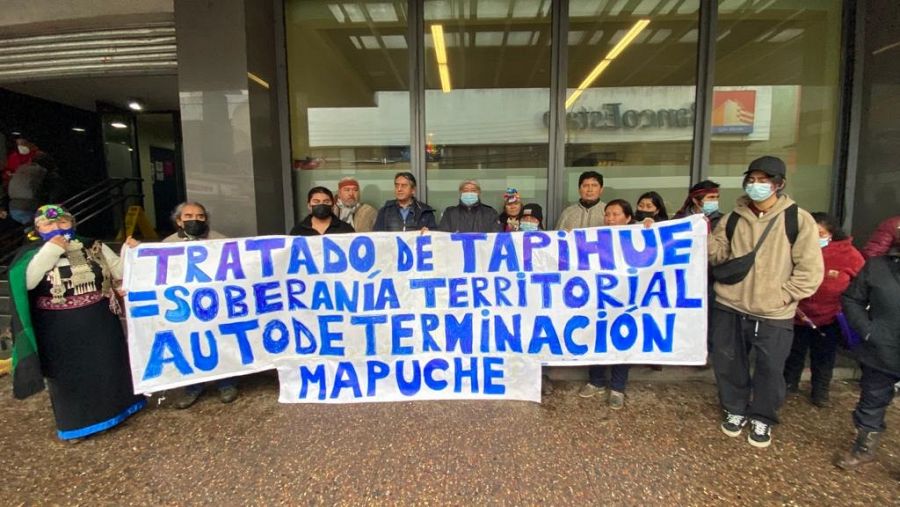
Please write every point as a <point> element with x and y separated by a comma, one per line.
<point>350,209</point>
<point>757,312</point>
<point>588,211</point>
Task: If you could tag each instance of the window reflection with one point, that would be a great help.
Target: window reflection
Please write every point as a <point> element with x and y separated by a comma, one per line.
<point>487,79</point>
<point>776,94</point>
<point>349,94</point>
<point>630,97</point>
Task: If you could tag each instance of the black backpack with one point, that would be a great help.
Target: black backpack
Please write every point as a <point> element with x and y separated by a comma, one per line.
<point>791,224</point>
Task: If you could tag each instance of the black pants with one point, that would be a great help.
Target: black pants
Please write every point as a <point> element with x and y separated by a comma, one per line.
<point>822,353</point>
<point>734,336</point>
<point>877,393</point>
<point>618,376</point>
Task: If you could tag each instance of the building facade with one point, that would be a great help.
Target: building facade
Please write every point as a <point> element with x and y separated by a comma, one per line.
<point>275,97</point>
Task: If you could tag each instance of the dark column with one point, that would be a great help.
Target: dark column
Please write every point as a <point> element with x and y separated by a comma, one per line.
<point>229,114</point>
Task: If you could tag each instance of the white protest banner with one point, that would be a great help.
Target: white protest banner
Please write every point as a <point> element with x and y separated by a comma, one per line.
<point>406,316</point>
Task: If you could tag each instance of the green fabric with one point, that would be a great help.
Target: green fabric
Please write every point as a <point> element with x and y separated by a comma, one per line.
<point>25,342</point>
<point>28,378</point>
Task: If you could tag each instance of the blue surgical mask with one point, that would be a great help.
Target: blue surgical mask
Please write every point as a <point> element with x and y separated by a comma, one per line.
<point>528,226</point>
<point>710,207</point>
<point>468,198</point>
<point>66,233</point>
<point>823,242</point>
<point>759,192</point>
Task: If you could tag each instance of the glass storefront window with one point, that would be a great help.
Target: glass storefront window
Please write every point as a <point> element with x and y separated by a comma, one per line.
<point>348,78</point>
<point>776,79</point>
<point>630,97</point>
<point>487,88</point>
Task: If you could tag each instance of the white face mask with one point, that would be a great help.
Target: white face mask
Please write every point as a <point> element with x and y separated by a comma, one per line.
<point>24,150</point>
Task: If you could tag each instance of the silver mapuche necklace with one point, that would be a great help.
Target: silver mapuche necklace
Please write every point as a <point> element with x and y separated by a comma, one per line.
<point>81,281</point>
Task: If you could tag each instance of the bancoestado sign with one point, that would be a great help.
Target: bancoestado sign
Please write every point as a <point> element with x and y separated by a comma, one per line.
<point>611,116</point>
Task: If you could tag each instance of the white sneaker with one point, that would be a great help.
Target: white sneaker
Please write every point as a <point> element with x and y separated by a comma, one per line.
<point>760,434</point>
<point>732,424</point>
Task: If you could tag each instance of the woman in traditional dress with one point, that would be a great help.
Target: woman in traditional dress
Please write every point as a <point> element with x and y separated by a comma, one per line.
<point>67,329</point>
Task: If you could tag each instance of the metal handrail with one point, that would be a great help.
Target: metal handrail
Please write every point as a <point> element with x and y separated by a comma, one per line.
<point>92,190</point>
<point>96,203</point>
<point>110,205</point>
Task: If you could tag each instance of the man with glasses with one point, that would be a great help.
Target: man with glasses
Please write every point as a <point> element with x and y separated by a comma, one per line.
<point>756,311</point>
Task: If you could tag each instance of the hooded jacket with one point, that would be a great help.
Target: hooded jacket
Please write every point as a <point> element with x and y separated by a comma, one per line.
<point>577,216</point>
<point>872,306</point>
<point>476,218</point>
<point>881,240</point>
<point>782,275</point>
<point>842,263</point>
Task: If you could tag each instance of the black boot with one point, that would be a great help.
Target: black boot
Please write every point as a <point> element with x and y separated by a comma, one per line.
<point>821,398</point>
<point>862,452</point>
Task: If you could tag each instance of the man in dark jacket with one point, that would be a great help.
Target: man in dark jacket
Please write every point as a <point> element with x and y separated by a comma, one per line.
<point>321,219</point>
<point>872,306</point>
<point>405,213</point>
<point>470,215</point>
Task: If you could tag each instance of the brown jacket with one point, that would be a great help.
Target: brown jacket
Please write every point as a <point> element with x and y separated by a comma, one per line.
<point>781,275</point>
<point>364,218</point>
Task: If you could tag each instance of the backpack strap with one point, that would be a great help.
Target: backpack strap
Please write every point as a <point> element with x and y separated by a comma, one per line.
<point>792,223</point>
<point>731,225</point>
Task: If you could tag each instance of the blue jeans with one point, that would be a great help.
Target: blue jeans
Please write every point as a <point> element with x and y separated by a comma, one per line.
<point>618,377</point>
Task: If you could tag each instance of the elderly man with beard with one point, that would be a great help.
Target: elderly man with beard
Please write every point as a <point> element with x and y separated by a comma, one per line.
<point>350,209</point>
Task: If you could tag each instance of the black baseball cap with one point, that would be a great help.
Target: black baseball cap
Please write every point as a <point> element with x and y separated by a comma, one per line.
<point>533,210</point>
<point>773,166</point>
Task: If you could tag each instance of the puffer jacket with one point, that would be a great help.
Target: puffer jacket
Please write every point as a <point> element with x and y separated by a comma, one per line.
<point>881,240</point>
<point>878,288</point>
<point>782,275</point>
<point>389,217</point>
<point>476,218</point>
<point>842,263</point>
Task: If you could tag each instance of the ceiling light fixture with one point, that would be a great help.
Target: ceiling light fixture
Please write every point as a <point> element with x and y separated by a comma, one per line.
<point>135,105</point>
<point>623,43</point>
<point>118,125</point>
<point>77,129</point>
<point>440,54</point>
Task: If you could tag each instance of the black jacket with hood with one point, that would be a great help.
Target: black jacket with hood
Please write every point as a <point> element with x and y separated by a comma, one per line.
<point>872,306</point>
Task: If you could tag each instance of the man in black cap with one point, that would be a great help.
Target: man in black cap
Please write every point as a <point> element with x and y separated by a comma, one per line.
<point>755,311</point>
